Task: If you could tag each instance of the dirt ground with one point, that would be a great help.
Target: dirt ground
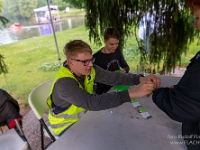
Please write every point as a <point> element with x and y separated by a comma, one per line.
<point>24,109</point>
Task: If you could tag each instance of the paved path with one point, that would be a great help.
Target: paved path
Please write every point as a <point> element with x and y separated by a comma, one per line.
<point>31,128</point>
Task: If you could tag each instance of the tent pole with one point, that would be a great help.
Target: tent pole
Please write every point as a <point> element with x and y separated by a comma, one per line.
<point>58,53</point>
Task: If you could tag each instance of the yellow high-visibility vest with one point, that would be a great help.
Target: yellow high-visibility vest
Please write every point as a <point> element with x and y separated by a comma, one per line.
<point>63,120</point>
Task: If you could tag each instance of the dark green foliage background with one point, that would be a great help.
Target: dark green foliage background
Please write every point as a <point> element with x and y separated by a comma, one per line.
<point>167,43</point>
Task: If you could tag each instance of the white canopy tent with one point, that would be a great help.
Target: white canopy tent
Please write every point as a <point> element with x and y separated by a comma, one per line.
<point>42,14</point>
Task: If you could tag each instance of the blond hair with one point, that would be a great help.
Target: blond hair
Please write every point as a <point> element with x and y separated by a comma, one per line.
<point>75,47</point>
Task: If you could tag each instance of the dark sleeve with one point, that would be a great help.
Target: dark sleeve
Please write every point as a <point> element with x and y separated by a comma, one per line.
<point>95,55</point>
<point>192,60</point>
<point>122,62</point>
<point>183,102</point>
<point>176,104</point>
<point>99,59</point>
<point>66,91</point>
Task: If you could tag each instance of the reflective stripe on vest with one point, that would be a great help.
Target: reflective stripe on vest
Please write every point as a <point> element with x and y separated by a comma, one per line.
<point>65,116</point>
<point>59,125</point>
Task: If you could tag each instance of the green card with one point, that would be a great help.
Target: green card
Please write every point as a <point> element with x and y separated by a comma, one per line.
<point>121,88</point>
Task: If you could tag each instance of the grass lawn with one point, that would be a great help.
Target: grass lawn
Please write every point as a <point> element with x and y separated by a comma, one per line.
<point>26,58</point>
<point>33,61</point>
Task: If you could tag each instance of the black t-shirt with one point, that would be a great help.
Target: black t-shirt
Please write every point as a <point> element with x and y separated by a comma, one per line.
<point>111,62</point>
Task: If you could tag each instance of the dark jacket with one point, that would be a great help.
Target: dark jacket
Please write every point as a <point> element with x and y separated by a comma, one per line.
<point>182,103</point>
<point>9,108</point>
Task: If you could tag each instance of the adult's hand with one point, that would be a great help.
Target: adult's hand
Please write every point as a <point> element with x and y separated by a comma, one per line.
<point>143,89</point>
<point>153,78</point>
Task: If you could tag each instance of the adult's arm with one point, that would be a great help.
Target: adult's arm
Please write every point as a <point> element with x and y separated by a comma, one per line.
<point>176,104</point>
<point>182,103</point>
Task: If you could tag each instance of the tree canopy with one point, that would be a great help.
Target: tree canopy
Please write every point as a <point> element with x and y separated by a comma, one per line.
<point>19,9</point>
<point>26,7</point>
<point>23,9</point>
<point>170,36</point>
<point>3,20</point>
<point>76,3</point>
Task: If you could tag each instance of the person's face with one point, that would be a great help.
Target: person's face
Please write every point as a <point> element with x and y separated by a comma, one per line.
<point>111,44</point>
<point>196,14</point>
<point>81,64</point>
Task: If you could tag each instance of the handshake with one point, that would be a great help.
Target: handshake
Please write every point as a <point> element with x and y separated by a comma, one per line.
<point>147,85</point>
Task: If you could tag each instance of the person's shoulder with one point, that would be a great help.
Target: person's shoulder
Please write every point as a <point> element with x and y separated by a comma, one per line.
<point>98,53</point>
<point>97,68</point>
<point>98,56</point>
<point>118,49</point>
<point>195,59</point>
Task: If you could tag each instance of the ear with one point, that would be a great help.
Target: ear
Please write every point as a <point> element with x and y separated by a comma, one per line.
<point>70,62</point>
